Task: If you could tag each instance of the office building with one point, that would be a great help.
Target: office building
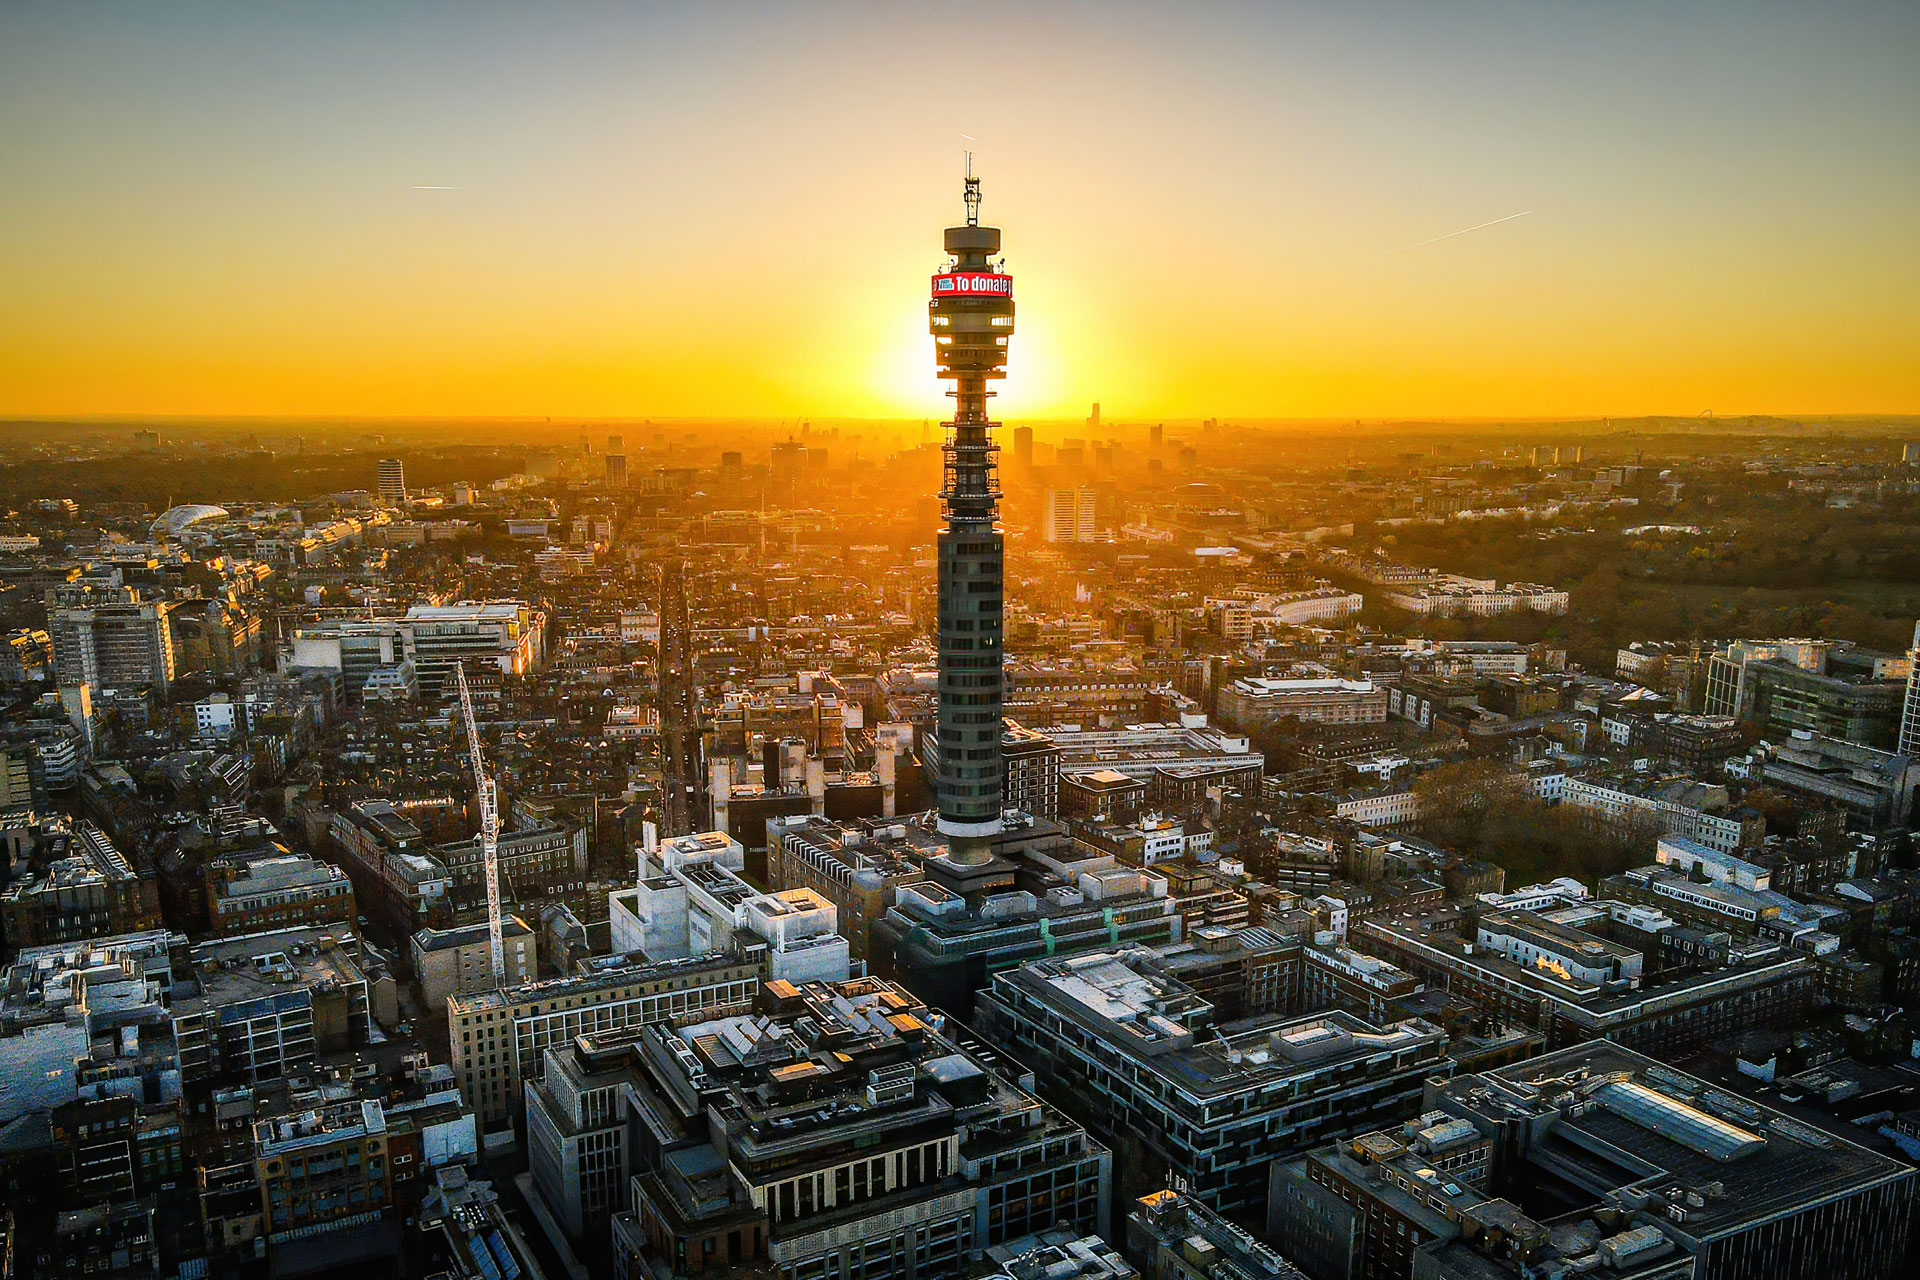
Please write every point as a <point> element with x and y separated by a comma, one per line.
<point>1257,702</point>
<point>1816,686</point>
<point>858,866</point>
<point>1910,705</point>
<point>1615,1165</point>
<point>947,950</point>
<point>1031,771</point>
<point>500,1038</point>
<point>393,482</point>
<point>1874,788</point>
<point>1363,1207</point>
<point>481,1242</point>
<point>504,633</point>
<point>1137,1054</point>
<point>1171,1236</point>
<point>1072,515</point>
<point>538,857</point>
<point>834,1131</point>
<point>280,891</point>
<point>616,471</point>
<point>1529,970</point>
<point>269,1005</point>
<point>113,645</point>
<point>91,891</point>
<point>458,961</point>
<point>691,900</point>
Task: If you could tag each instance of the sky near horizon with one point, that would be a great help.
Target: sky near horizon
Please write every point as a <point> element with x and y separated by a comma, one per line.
<point>1238,210</point>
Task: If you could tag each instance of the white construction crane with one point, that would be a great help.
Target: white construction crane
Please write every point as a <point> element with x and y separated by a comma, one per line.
<point>489,830</point>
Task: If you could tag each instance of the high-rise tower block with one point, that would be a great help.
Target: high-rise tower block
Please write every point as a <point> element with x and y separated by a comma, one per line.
<point>971,320</point>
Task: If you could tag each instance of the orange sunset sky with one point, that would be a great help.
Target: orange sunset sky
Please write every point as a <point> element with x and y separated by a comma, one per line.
<point>730,208</point>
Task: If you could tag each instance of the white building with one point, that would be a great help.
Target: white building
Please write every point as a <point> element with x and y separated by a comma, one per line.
<point>1071,515</point>
<point>213,718</point>
<point>691,901</point>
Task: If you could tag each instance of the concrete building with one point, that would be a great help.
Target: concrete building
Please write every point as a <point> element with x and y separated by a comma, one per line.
<point>692,901</point>
<point>835,1130</point>
<point>1875,788</point>
<point>500,1038</point>
<point>92,891</point>
<point>1668,1011</point>
<point>1072,515</point>
<point>113,645</point>
<point>268,1005</point>
<point>1256,702</point>
<point>1137,1053</point>
<point>1171,1236</point>
<point>508,634</point>
<point>276,892</point>
<point>857,866</point>
<point>459,961</point>
<point>1607,1154</point>
<point>393,482</point>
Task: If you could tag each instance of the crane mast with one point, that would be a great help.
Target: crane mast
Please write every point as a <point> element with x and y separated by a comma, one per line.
<point>489,830</point>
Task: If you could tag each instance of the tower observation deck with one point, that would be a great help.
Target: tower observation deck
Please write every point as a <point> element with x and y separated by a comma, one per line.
<point>971,318</point>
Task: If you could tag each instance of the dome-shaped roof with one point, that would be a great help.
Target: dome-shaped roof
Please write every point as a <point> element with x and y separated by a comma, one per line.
<point>175,520</point>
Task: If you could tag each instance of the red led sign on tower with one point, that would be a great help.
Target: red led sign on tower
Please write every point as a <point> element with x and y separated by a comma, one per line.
<point>972,284</point>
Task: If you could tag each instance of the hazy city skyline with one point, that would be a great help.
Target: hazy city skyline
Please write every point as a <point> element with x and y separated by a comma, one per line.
<point>1220,210</point>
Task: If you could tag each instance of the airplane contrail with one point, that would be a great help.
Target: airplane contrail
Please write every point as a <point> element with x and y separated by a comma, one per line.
<point>1462,231</point>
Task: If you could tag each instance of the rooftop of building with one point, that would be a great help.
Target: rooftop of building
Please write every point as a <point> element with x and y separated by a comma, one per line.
<point>1663,1141</point>
<point>229,971</point>
<point>1440,930</point>
<point>1163,1025</point>
<point>319,1126</point>
<point>616,972</point>
<point>1207,1240</point>
<point>467,935</point>
<point>279,873</point>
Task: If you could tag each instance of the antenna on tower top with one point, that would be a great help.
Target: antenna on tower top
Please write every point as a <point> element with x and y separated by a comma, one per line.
<point>973,194</point>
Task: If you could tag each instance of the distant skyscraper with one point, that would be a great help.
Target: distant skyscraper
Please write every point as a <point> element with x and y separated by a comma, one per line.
<point>1910,713</point>
<point>1093,419</point>
<point>616,471</point>
<point>1071,515</point>
<point>616,444</point>
<point>1023,446</point>
<point>1158,435</point>
<point>393,482</point>
<point>1910,454</point>
<point>789,457</point>
<point>971,321</point>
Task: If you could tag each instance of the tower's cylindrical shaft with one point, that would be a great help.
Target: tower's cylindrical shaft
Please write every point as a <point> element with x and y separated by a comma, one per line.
<point>971,320</point>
